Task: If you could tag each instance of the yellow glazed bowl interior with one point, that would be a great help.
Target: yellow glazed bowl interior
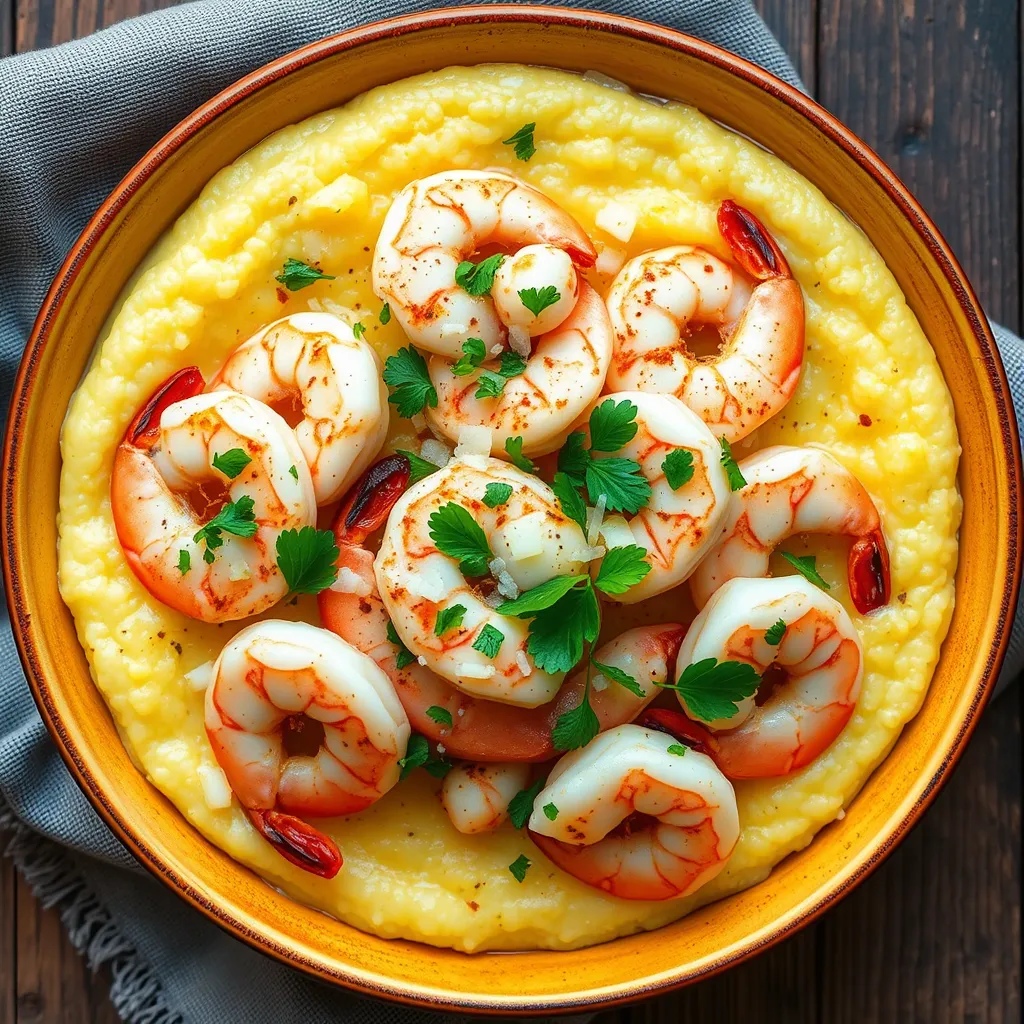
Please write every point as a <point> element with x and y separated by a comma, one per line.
<point>651,60</point>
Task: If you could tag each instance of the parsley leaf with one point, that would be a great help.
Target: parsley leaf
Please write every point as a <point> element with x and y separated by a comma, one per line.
<point>488,641</point>
<point>458,535</point>
<point>404,656</point>
<point>512,364</point>
<point>496,494</point>
<point>569,500</point>
<point>732,469</point>
<point>521,805</point>
<point>616,675</point>
<point>577,727</point>
<point>514,450</point>
<point>405,374</point>
<point>541,597</point>
<point>232,462</point>
<point>448,619</point>
<point>358,330</point>
<point>384,316</point>
<point>296,275</point>
<point>439,767</point>
<point>574,458</point>
<point>489,385</point>
<point>550,812</point>
<point>773,634</point>
<point>622,483</point>
<point>520,866</point>
<point>418,468</point>
<point>440,715</point>
<point>523,141</point>
<point>612,425</point>
<point>417,752</point>
<point>306,559</point>
<point>478,278</point>
<point>556,634</point>
<point>805,565</point>
<point>184,561</point>
<point>537,301</point>
<point>622,568</point>
<point>473,354</point>
<point>677,748</point>
<point>678,468</point>
<point>712,689</point>
<point>294,471</point>
<point>236,517</point>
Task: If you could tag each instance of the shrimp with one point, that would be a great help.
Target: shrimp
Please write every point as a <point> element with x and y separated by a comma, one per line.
<point>563,376</point>
<point>275,674</point>
<point>677,526</point>
<point>165,487</point>
<point>797,490</point>
<point>436,223</point>
<point>636,819</point>
<point>534,540</point>
<point>658,297</point>
<point>476,796</point>
<point>481,730</point>
<point>328,380</point>
<point>820,654</point>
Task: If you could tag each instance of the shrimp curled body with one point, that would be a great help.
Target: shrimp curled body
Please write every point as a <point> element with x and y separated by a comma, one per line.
<point>636,820</point>
<point>275,672</point>
<point>820,654</point>
<point>658,298</point>
<point>315,363</point>
<point>790,491</point>
<point>164,488</point>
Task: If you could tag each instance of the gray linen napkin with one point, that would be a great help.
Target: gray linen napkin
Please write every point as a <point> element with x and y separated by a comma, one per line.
<point>75,118</point>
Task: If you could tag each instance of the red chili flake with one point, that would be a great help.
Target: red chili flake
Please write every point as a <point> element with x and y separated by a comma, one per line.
<point>865,420</point>
<point>282,295</point>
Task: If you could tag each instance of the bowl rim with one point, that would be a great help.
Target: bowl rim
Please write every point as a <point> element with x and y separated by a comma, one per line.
<point>799,103</point>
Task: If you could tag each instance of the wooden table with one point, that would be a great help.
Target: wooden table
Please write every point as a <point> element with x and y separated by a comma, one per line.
<point>934,935</point>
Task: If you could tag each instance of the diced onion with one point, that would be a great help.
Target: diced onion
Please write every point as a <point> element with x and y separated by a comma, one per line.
<point>525,536</point>
<point>519,341</point>
<point>422,660</point>
<point>617,219</point>
<point>441,748</point>
<point>435,452</point>
<point>216,791</point>
<point>471,670</point>
<point>419,422</point>
<point>452,330</point>
<point>507,586</point>
<point>589,554</point>
<point>497,349</point>
<point>610,261</point>
<point>596,518</point>
<point>598,682</point>
<point>523,664</point>
<point>473,441</point>
<point>199,678</point>
<point>600,78</point>
<point>615,533</point>
<point>314,304</point>
<point>349,582</point>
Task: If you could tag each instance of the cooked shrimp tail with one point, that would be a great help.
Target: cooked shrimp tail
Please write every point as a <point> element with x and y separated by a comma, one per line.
<point>297,841</point>
<point>145,428</point>
<point>371,499</point>
<point>752,246</point>
<point>868,573</point>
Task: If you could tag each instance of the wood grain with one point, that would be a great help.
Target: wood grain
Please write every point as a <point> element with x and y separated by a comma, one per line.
<point>935,87</point>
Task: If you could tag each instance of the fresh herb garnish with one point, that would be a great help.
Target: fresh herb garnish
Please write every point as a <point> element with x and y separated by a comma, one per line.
<point>384,316</point>
<point>236,517</point>
<point>678,468</point>
<point>537,301</point>
<point>616,675</point>
<point>440,715</point>
<point>404,656</point>
<point>520,807</point>
<point>569,500</point>
<point>294,470</point>
<point>491,383</point>
<point>297,275</point>
<point>405,373</point>
<point>550,812</point>
<point>478,278</point>
<point>488,641</point>
<point>418,468</point>
<point>306,559</point>
<point>773,634</point>
<point>523,141</point>
<point>496,495</point>
<point>621,481</point>
<point>514,450</point>
<point>612,425</point>
<point>622,568</point>
<point>520,866</point>
<point>417,755</point>
<point>358,330</point>
<point>448,619</point>
<point>231,462</point>
<point>184,561</point>
<point>732,469</point>
<point>806,566</point>
<point>713,689</point>
<point>677,748</point>
<point>577,727</point>
<point>457,534</point>
<point>473,354</point>
<point>574,458</point>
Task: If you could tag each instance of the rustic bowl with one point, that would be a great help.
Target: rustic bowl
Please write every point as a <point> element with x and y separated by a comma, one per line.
<point>652,60</point>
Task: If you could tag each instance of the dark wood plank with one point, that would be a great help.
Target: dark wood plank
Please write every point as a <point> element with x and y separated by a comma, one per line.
<point>6,27</point>
<point>8,937</point>
<point>795,25</point>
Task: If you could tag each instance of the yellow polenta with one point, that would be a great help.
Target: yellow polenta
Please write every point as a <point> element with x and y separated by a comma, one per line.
<point>871,392</point>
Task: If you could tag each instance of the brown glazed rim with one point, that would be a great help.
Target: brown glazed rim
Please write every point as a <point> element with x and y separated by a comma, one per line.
<point>395,27</point>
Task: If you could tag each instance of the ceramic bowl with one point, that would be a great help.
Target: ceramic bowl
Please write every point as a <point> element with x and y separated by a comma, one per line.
<point>652,60</point>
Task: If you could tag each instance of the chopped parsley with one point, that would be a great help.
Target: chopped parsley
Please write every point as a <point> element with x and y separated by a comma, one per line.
<point>384,316</point>
<point>520,866</point>
<point>622,568</point>
<point>537,301</point>
<point>523,141</point>
<point>473,354</point>
<point>231,462</point>
<point>550,812</point>
<point>296,275</point>
<point>358,330</point>
<point>405,374</point>
<point>514,450</point>
<point>404,656</point>
<point>417,755</point>
<point>448,619</point>
<point>488,641</point>
<point>491,383</point>
<point>773,634</point>
<point>678,468</point>
<point>520,807</point>
<point>616,675</point>
<point>236,517</point>
<point>806,565</point>
<point>294,471</point>
<point>677,748</point>
<point>496,495</point>
<point>732,469</point>
<point>577,727</point>
<point>713,689</point>
<point>457,534</point>
<point>569,500</point>
<point>440,715</point>
<point>184,561</point>
<point>478,278</point>
<point>574,458</point>
<point>306,559</point>
<point>418,468</point>
<point>612,425</point>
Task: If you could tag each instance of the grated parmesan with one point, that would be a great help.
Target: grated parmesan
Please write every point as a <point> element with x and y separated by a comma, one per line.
<point>471,670</point>
<point>349,582</point>
<point>617,219</point>
<point>598,682</point>
<point>523,664</point>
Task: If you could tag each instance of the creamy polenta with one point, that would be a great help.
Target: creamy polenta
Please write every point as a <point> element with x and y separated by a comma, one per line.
<point>870,391</point>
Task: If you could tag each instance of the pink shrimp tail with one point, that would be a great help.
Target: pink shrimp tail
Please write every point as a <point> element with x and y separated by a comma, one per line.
<point>298,842</point>
<point>143,430</point>
<point>868,572</point>
<point>752,246</point>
